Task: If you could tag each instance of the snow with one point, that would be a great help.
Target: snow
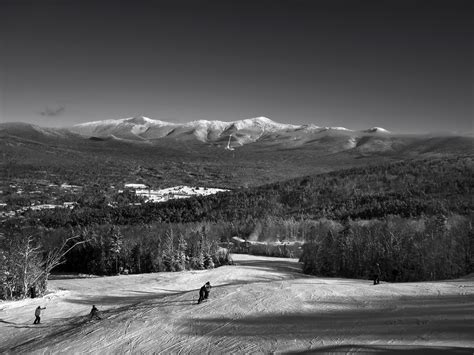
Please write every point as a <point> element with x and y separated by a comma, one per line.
<point>176,192</point>
<point>135,186</point>
<point>260,305</point>
<point>311,127</point>
<point>204,124</point>
<point>263,122</point>
<point>202,128</point>
<point>101,123</point>
<point>46,206</point>
<point>335,129</point>
<point>351,143</point>
<point>141,120</point>
<point>377,130</point>
<point>33,207</point>
<point>138,129</point>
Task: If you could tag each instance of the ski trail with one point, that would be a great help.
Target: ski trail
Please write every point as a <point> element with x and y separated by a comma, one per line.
<point>260,305</point>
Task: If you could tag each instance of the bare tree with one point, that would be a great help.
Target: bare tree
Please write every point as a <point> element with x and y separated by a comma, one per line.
<point>26,268</point>
<point>56,256</point>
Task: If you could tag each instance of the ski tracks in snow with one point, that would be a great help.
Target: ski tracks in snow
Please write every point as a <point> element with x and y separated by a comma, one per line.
<point>261,305</point>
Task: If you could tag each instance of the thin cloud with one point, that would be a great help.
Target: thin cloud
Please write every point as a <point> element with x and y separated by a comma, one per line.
<point>52,112</point>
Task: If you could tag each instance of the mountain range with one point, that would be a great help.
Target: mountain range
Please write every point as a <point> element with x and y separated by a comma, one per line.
<point>230,134</point>
<point>259,133</point>
<point>246,152</point>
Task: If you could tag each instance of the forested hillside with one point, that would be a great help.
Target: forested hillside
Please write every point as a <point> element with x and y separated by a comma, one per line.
<point>407,189</point>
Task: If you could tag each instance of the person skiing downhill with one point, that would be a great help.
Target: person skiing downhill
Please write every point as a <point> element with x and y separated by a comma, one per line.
<point>94,313</point>
<point>38,314</point>
<point>204,292</point>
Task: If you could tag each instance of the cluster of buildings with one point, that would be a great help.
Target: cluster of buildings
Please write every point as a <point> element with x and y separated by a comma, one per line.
<point>53,191</point>
<point>35,196</point>
<point>171,192</point>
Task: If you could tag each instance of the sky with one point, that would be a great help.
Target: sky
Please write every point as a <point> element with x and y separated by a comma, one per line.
<point>405,65</point>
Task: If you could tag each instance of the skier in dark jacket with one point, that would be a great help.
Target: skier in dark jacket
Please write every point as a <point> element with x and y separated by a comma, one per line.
<point>38,314</point>
<point>204,292</point>
<point>377,273</point>
<point>94,313</point>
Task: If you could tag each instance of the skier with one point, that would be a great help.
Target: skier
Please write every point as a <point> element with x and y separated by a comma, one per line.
<point>38,314</point>
<point>377,273</point>
<point>204,292</point>
<point>94,313</point>
<point>395,274</point>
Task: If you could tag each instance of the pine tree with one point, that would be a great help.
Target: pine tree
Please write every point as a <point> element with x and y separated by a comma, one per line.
<point>115,245</point>
<point>168,254</point>
<point>181,258</point>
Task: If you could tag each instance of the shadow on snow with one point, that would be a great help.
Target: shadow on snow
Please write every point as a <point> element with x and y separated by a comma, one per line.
<point>410,317</point>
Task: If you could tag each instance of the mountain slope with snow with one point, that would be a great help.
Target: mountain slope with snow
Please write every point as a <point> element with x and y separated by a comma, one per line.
<point>202,130</point>
<point>254,134</point>
<point>229,134</point>
<point>376,130</point>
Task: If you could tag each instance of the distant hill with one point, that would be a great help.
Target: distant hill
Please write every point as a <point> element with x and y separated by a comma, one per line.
<point>32,132</point>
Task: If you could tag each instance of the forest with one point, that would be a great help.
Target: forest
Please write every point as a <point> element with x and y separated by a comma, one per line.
<point>414,218</point>
<point>408,188</point>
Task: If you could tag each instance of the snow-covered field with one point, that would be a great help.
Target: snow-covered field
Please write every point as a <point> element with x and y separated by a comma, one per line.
<point>259,305</point>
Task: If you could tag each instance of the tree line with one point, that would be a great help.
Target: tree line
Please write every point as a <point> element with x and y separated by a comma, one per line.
<point>413,249</point>
<point>28,259</point>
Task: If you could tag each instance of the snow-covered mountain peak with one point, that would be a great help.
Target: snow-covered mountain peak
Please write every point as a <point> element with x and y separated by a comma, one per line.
<point>139,120</point>
<point>142,120</point>
<point>263,123</point>
<point>129,121</point>
<point>262,120</point>
<point>98,123</point>
<point>205,124</point>
<point>244,131</point>
<point>260,123</point>
<point>377,130</point>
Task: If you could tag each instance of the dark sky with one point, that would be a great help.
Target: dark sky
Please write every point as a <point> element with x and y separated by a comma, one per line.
<point>403,65</point>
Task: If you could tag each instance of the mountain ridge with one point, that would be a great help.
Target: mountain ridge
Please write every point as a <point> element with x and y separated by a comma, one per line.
<point>259,132</point>
<point>226,157</point>
<point>234,133</point>
<point>262,122</point>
